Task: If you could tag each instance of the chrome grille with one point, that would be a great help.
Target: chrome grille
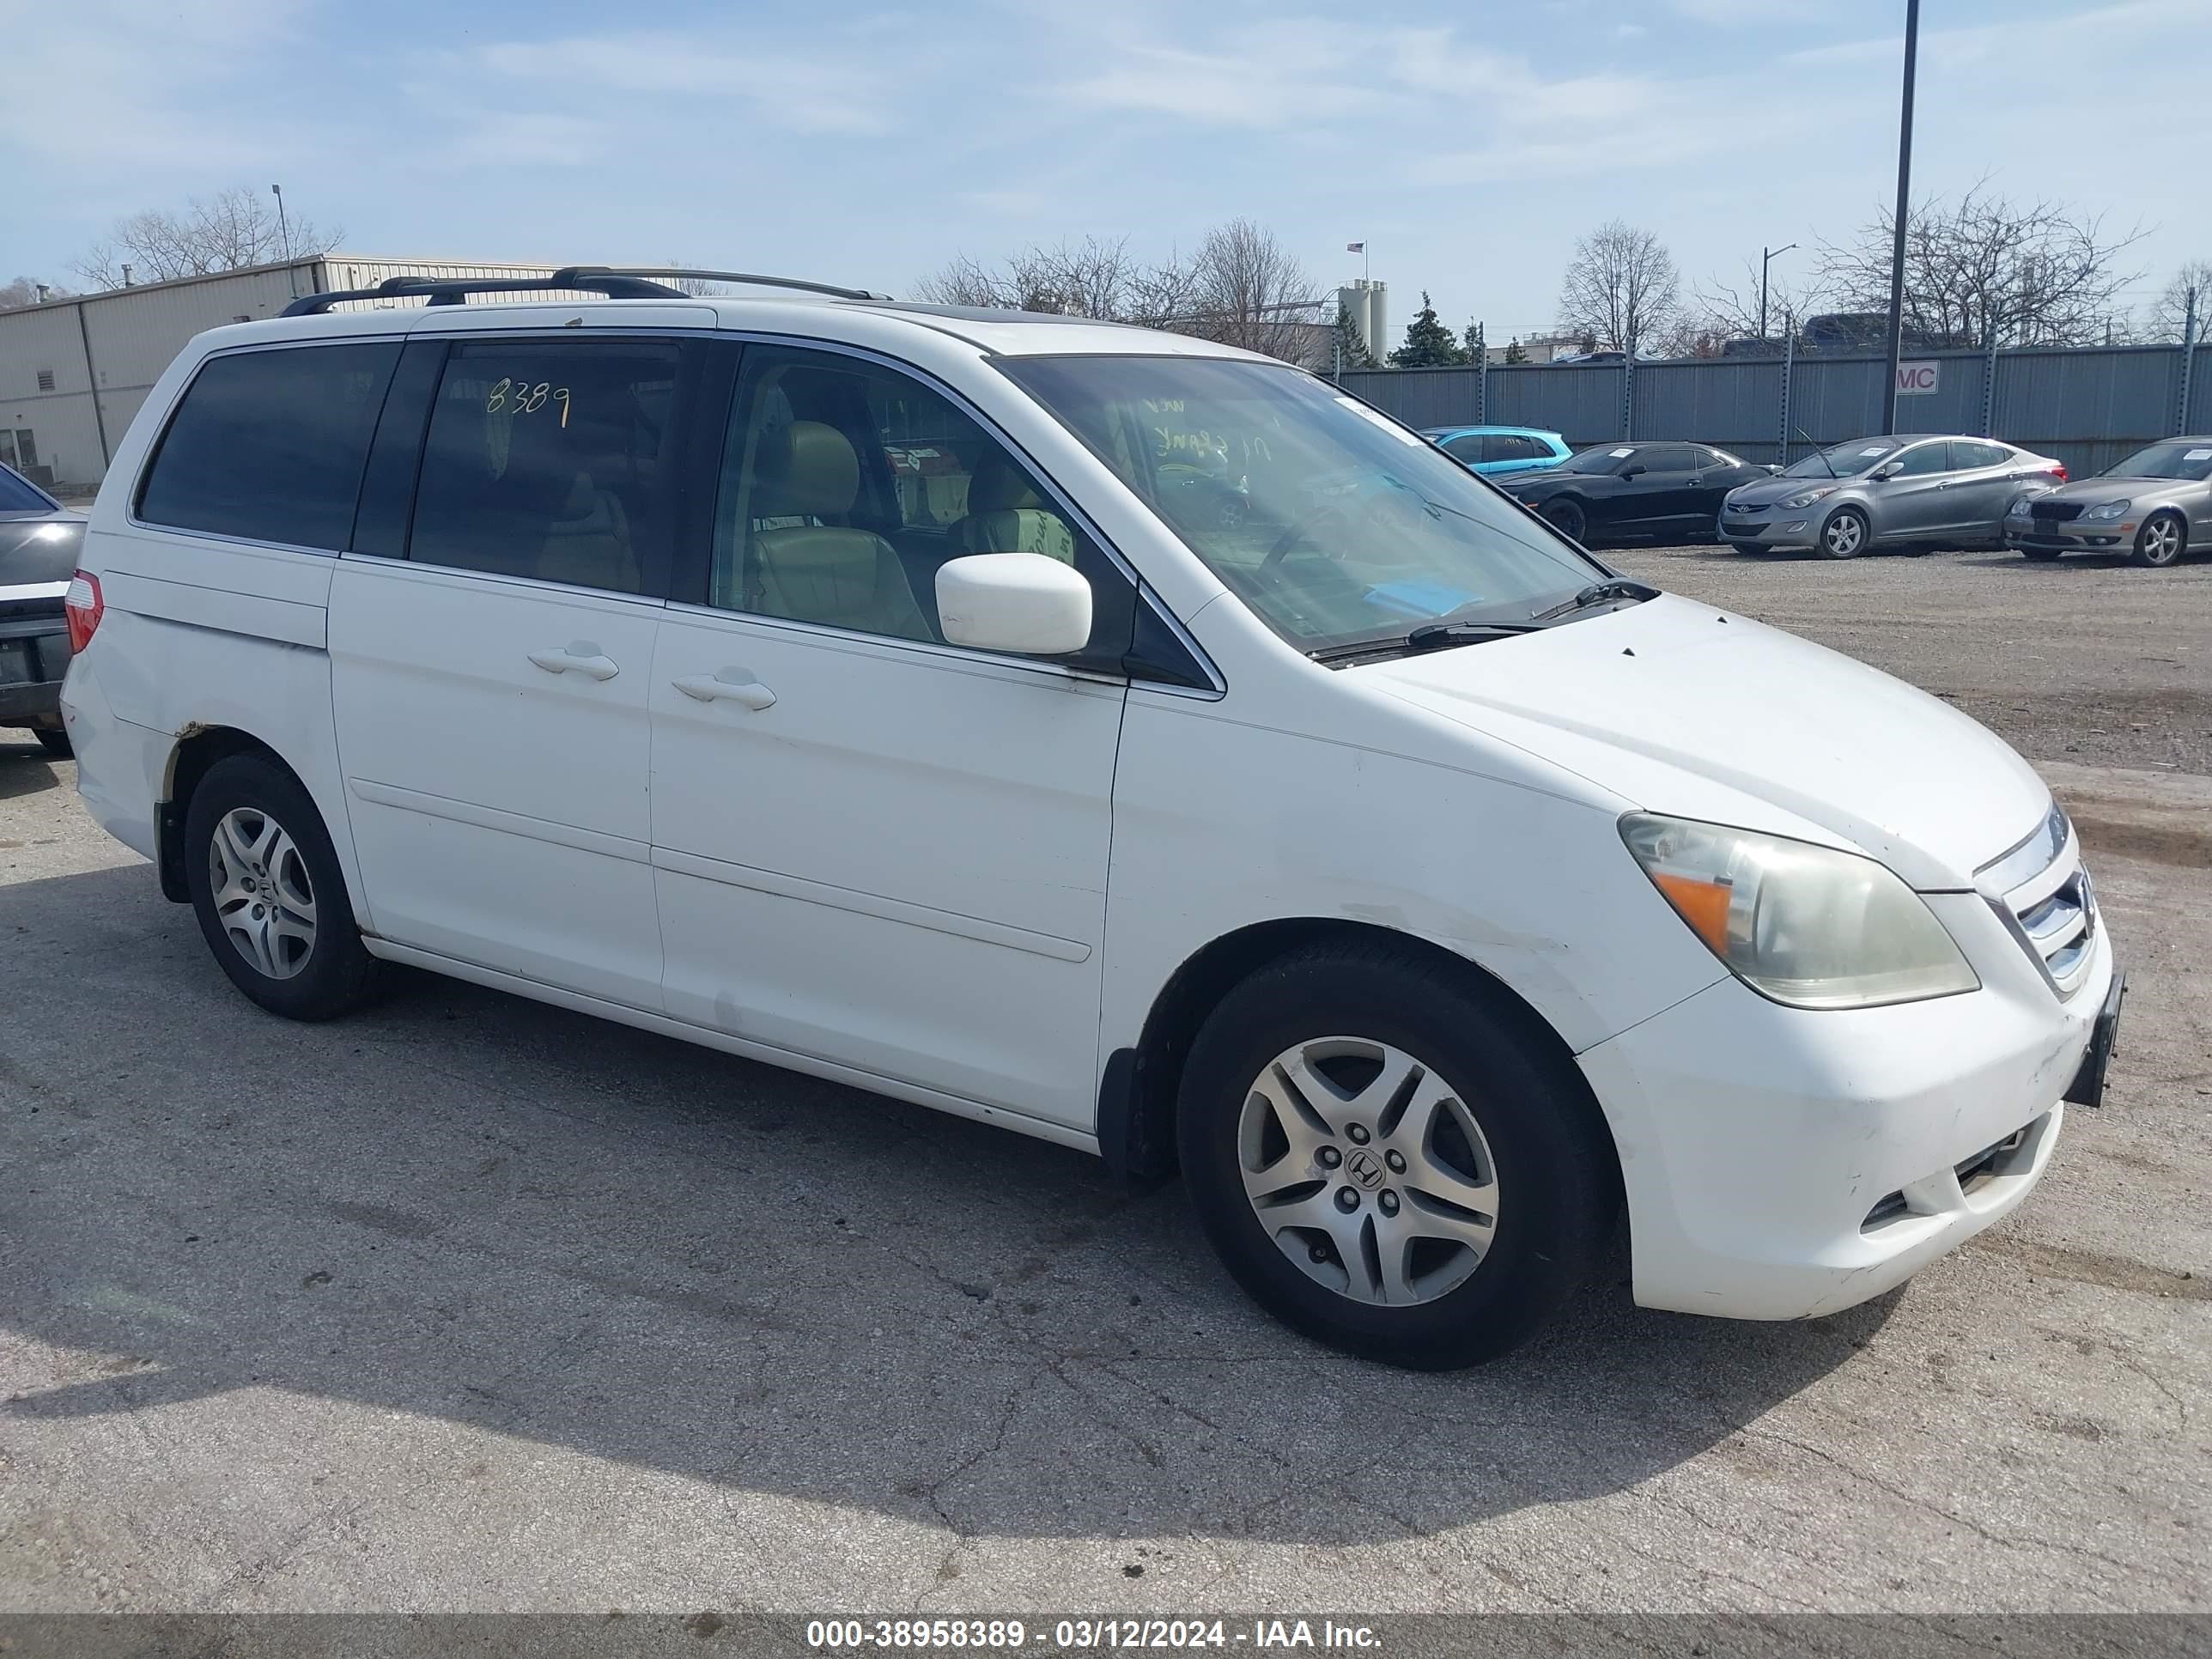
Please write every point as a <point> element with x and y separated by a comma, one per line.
<point>2042,893</point>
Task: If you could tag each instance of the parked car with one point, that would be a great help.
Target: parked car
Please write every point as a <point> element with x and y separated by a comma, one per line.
<point>1662,491</point>
<point>40,541</point>
<point>1425,890</point>
<point>2157,504</point>
<point>1888,492</point>
<point>1500,452</point>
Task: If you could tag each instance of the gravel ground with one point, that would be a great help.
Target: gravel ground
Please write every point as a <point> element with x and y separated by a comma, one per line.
<point>2089,660</point>
<point>467,1303</point>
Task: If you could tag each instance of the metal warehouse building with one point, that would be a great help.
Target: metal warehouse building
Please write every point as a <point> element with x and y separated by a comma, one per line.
<point>74,371</point>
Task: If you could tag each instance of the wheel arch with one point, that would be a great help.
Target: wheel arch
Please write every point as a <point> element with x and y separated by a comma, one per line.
<point>1138,1093</point>
<point>195,753</point>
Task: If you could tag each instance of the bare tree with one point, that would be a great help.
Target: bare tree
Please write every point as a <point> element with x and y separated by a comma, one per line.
<point>1252,292</point>
<point>1622,290</point>
<point>24,291</point>
<point>226,232</point>
<point>1241,288</point>
<point>1095,277</point>
<point>2169,313</point>
<point>1730,311</point>
<point>1984,270</point>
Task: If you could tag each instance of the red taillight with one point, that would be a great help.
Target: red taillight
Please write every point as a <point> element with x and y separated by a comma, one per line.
<point>2058,471</point>
<point>83,606</point>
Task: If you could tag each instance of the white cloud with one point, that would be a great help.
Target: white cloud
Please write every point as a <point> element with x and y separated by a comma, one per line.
<point>794,92</point>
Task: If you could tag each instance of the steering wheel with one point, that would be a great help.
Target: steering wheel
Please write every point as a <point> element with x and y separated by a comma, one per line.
<point>1301,529</point>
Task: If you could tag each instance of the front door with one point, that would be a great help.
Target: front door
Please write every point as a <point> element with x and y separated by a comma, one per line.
<point>489,683</point>
<point>871,848</point>
<point>1916,499</point>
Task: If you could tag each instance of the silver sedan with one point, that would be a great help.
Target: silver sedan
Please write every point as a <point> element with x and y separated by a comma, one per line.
<point>1888,492</point>
<point>2154,506</point>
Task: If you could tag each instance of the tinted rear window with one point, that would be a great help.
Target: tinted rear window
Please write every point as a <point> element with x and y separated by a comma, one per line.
<point>17,496</point>
<point>270,444</point>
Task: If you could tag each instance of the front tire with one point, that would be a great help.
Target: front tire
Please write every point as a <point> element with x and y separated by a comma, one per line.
<point>1844,534</point>
<point>2161,540</point>
<point>1567,518</point>
<point>270,899</point>
<point>1387,1162</point>
<point>54,741</point>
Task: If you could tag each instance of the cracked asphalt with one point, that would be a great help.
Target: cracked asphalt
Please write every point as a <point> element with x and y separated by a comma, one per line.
<point>468,1303</point>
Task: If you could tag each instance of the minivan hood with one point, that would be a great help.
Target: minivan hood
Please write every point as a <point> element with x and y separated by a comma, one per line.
<point>1679,708</point>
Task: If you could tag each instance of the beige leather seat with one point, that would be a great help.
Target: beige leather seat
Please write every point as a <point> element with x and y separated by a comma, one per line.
<point>589,543</point>
<point>1005,514</point>
<point>822,573</point>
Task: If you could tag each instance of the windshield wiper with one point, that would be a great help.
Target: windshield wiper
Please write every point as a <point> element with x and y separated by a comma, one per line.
<point>1429,636</point>
<point>1822,453</point>
<point>1614,591</point>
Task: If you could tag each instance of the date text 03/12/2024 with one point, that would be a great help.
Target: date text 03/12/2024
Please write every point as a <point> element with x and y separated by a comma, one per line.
<point>1091,1635</point>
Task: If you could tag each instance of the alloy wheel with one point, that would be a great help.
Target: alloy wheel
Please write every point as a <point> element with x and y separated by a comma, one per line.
<point>2161,541</point>
<point>1843,534</point>
<point>263,899</point>
<point>1367,1171</point>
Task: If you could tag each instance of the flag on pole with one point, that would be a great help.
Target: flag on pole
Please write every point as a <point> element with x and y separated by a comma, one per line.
<point>1355,247</point>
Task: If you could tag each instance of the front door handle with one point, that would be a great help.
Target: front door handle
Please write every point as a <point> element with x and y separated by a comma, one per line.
<point>728,686</point>
<point>577,657</point>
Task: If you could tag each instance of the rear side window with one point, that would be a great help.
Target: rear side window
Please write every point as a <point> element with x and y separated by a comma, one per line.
<point>552,459</point>
<point>17,496</point>
<point>1967,457</point>
<point>270,444</point>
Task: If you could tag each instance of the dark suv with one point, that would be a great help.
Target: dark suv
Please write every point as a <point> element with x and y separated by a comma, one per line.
<point>38,542</point>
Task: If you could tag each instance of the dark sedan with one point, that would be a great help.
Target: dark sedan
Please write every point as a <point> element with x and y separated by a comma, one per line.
<point>1636,491</point>
<point>38,542</point>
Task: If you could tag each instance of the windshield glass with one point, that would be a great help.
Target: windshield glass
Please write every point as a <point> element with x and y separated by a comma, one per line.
<point>1856,456</point>
<point>1606,458</point>
<point>1332,522</point>
<point>17,496</point>
<point>2178,460</point>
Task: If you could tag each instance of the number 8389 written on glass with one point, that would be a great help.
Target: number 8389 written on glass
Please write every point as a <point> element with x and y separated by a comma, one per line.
<point>520,398</point>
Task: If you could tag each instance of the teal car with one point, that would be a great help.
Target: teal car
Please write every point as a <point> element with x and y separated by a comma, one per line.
<point>1499,452</point>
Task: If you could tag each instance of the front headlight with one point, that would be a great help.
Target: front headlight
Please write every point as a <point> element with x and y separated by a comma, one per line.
<point>1806,926</point>
<point>2019,508</point>
<point>2107,510</point>
<point>1807,498</point>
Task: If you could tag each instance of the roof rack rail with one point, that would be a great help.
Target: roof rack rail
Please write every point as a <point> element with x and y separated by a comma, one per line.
<point>830,288</point>
<point>625,282</point>
<point>455,290</point>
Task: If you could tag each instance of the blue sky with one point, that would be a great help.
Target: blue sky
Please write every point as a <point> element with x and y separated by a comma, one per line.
<point>1467,144</point>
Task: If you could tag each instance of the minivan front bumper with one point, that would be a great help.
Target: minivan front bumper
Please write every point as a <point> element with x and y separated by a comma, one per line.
<point>1783,1162</point>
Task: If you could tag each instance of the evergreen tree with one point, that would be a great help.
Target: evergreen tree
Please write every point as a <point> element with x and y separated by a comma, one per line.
<point>1351,351</point>
<point>1515,352</point>
<point>1474,343</point>
<point>1429,343</point>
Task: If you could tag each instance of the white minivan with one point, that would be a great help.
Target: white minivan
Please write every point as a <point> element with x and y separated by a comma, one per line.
<point>1114,736</point>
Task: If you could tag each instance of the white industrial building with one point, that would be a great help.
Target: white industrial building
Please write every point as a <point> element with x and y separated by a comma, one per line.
<point>74,370</point>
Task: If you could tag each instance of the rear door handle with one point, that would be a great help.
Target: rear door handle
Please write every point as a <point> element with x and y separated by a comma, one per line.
<point>578,657</point>
<point>728,685</point>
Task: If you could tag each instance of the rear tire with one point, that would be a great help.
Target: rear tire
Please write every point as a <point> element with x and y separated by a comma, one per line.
<point>1450,1186</point>
<point>54,741</point>
<point>1843,536</point>
<point>2161,540</point>
<point>271,898</point>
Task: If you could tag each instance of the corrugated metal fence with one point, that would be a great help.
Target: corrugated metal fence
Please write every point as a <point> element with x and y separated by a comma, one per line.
<point>2088,405</point>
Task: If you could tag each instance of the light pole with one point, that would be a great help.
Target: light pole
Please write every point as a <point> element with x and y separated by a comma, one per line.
<point>284,225</point>
<point>1904,208</point>
<point>1766,257</point>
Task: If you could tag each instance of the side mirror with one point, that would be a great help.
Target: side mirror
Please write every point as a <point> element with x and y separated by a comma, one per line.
<point>1016,602</point>
<point>1888,469</point>
<point>1633,469</point>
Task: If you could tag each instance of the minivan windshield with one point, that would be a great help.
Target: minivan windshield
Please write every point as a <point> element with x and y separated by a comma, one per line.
<point>1841,460</point>
<point>2181,459</point>
<point>1333,523</point>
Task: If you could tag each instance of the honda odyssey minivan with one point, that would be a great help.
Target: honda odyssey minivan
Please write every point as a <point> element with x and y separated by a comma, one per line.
<point>834,682</point>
